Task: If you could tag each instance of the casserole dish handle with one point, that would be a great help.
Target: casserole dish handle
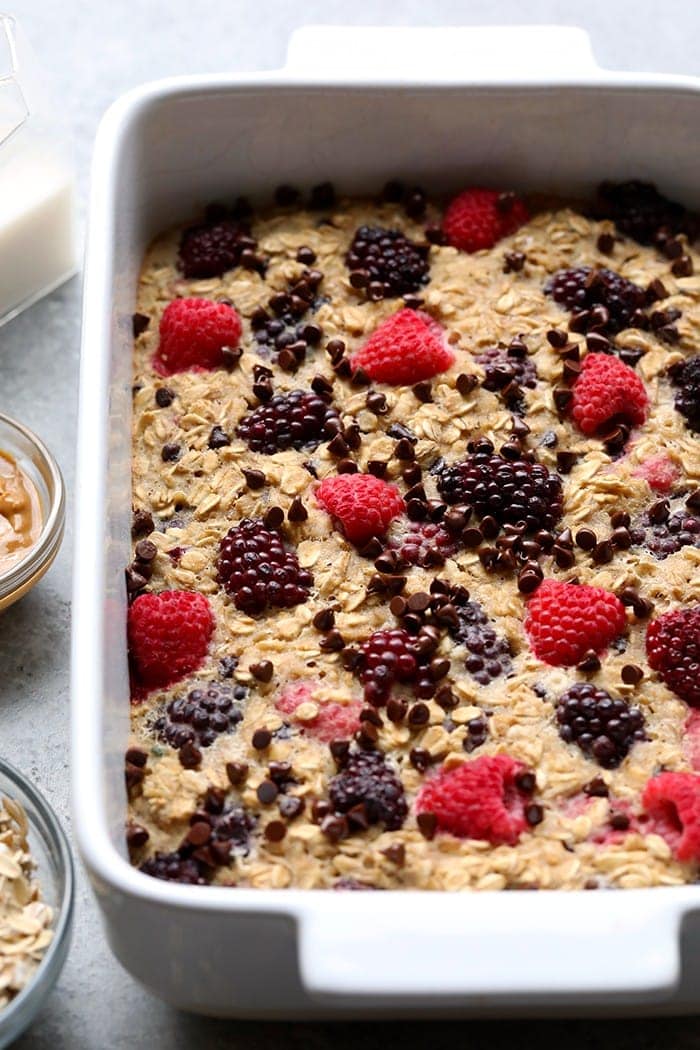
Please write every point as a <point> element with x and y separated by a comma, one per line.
<point>523,944</point>
<point>442,53</point>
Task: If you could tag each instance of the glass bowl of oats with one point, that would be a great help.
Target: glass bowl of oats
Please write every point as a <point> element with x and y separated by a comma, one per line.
<point>36,902</point>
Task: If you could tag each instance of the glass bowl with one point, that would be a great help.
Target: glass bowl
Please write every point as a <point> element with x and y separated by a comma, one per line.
<point>35,459</point>
<point>55,874</point>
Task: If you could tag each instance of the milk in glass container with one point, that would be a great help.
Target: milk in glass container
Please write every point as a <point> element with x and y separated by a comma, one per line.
<point>37,227</point>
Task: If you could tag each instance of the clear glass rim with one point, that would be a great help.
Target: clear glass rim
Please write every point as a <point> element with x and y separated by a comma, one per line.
<point>61,851</point>
<point>39,557</point>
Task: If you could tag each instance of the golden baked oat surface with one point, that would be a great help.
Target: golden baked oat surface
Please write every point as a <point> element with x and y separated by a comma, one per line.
<point>200,493</point>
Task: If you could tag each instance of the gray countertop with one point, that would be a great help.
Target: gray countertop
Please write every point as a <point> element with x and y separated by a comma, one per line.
<point>93,50</point>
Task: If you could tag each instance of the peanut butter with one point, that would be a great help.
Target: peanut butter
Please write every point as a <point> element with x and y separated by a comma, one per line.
<point>20,513</point>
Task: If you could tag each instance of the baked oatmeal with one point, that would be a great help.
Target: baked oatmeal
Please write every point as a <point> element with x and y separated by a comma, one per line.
<point>415,580</point>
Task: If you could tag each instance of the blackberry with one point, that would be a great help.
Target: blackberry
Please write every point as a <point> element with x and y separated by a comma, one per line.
<point>686,376</point>
<point>201,716</point>
<point>210,248</point>
<point>297,420</point>
<point>279,331</point>
<point>503,367</point>
<point>367,781</point>
<point>602,727</point>
<point>511,491</point>
<point>230,832</point>
<point>386,262</point>
<point>174,867</point>
<point>681,529</point>
<point>257,570</point>
<point>605,300</point>
<point>426,545</point>
<point>393,655</point>
<point>640,211</point>
<point>488,654</point>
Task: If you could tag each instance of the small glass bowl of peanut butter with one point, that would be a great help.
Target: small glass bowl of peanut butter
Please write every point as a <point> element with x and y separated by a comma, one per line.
<point>32,510</point>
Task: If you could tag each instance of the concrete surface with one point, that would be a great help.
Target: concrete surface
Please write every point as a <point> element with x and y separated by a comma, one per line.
<point>93,50</point>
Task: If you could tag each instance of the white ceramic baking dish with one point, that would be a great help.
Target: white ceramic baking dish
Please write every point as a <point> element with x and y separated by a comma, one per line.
<point>522,107</point>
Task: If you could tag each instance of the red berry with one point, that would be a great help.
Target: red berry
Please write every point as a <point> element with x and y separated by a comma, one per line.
<point>333,722</point>
<point>565,620</point>
<point>363,506</point>
<point>478,800</point>
<point>193,335</point>
<point>169,636</point>
<point>673,649</point>
<point>660,472</point>
<point>605,388</point>
<point>477,218</point>
<point>406,348</point>
<point>672,801</point>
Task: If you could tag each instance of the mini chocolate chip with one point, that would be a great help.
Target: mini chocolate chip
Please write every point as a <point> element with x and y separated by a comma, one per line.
<point>589,663</point>
<point>566,461</point>
<point>659,512</point>
<point>236,772</point>
<point>290,806</point>
<point>466,383</point>
<point>376,403</point>
<point>306,255</point>
<point>139,324</point>
<point>164,397</point>
<point>267,791</point>
<point>586,539</point>
<point>597,788</point>
<point>255,479</point>
<point>418,715</point>
<point>602,553</point>
<point>427,825</point>
<point>319,810</point>
<point>218,438</point>
<point>682,266</point>
<point>396,709</point>
<point>137,757</point>
<point>136,836</point>
<point>562,399</point>
<point>606,243</point>
<point>199,833</point>
<point>263,670</point>
<point>377,467</point>
<point>275,831</point>
<point>333,642</point>
<point>396,853</point>
<point>335,827</point>
<point>324,620</point>
<point>619,821</point>
<point>620,519</point>
<point>170,452</point>
<point>141,523</point>
<point>420,758</point>
<point>631,674</point>
<point>525,782</point>
<point>404,450</point>
<point>190,756</point>
<point>534,814</point>
<point>513,262</point>
<point>423,391</point>
<point>273,518</point>
<point>297,511</point>
<point>262,738</point>
<point>347,466</point>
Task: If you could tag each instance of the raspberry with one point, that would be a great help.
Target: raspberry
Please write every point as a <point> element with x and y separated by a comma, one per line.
<point>681,529</point>
<point>210,248</point>
<point>672,801</point>
<point>201,715</point>
<point>566,620</point>
<point>363,506</point>
<point>488,654</point>
<point>477,218</point>
<point>194,334</point>
<point>386,262</point>
<point>511,491</point>
<point>174,867</point>
<point>405,349</point>
<point>686,377</point>
<point>612,301</point>
<point>602,727</point>
<point>168,635</point>
<point>640,211</point>
<point>659,472</point>
<point>333,721</point>
<point>691,739</point>
<point>426,545</point>
<point>478,800</point>
<point>296,420</point>
<point>390,656</point>
<point>257,570</point>
<point>606,389</point>
<point>673,649</point>
<point>366,781</point>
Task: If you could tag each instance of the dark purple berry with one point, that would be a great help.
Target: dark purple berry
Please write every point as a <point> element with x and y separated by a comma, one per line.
<point>681,529</point>
<point>605,729</point>
<point>511,491</point>
<point>425,544</point>
<point>640,211</point>
<point>388,261</point>
<point>211,248</point>
<point>173,867</point>
<point>605,300</point>
<point>257,570</point>
<point>488,653</point>
<point>503,367</point>
<point>367,781</point>
<point>686,377</point>
<point>393,655</point>
<point>201,715</point>
<point>296,420</point>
